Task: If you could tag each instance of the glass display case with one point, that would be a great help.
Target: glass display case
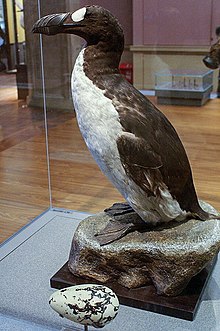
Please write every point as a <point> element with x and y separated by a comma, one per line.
<point>183,87</point>
<point>49,180</point>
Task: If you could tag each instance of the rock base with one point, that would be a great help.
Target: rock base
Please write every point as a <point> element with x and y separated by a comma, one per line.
<point>167,256</point>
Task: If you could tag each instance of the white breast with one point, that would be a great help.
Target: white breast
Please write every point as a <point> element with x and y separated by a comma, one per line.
<point>100,127</point>
<point>98,122</point>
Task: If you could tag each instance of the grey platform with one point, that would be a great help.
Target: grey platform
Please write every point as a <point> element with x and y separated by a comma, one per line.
<point>32,256</point>
<point>184,98</point>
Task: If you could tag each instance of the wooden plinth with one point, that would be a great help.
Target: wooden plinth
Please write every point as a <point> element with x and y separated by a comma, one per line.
<point>183,306</point>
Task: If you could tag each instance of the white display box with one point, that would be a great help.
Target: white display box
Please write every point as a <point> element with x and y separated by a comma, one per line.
<point>183,87</point>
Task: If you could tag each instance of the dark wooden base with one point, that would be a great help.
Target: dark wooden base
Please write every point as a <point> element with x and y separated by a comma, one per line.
<point>183,306</point>
<point>182,102</point>
<point>183,98</point>
<point>22,81</point>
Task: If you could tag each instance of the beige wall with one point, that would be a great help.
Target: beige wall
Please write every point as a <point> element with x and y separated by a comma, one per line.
<point>149,60</point>
<point>171,34</point>
<point>20,30</point>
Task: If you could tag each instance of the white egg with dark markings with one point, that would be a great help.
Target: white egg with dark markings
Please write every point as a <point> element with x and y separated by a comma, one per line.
<point>87,304</point>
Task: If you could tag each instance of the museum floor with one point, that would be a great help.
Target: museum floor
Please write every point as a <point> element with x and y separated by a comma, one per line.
<point>76,182</point>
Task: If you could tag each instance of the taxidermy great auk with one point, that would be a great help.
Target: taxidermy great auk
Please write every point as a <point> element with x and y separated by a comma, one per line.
<point>212,60</point>
<point>133,143</point>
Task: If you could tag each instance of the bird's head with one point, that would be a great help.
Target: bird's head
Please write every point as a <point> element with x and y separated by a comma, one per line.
<point>212,60</point>
<point>93,23</point>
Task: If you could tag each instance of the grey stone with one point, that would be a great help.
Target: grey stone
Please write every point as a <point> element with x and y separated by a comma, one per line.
<point>167,256</point>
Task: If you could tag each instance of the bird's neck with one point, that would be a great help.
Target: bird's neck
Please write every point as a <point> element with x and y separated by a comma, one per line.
<point>100,60</point>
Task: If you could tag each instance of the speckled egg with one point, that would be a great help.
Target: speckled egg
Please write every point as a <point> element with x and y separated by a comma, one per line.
<point>87,304</point>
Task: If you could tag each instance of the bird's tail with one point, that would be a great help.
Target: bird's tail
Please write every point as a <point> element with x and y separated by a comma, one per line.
<point>203,215</point>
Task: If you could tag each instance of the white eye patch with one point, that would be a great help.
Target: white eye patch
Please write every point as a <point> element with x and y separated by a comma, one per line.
<point>79,15</point>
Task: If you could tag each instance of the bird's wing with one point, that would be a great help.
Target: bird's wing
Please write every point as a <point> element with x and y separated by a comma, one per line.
<point>140,162</point>
<point>152,153</point>
<point>150,149</point>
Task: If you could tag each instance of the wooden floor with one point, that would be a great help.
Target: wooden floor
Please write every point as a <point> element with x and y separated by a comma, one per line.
<point>76,181</point>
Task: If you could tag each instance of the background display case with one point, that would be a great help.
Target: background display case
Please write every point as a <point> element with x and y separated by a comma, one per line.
<point>184,87</point>
<point>50,182</point>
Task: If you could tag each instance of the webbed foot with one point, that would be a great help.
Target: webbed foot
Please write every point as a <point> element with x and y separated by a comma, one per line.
<point>124,220</point>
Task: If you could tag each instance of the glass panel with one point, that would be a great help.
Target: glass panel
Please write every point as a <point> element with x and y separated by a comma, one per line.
<point>76,181</point>
<point>23,178</point>
<point>198,80</point>
<point>153,46</point>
